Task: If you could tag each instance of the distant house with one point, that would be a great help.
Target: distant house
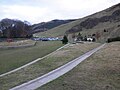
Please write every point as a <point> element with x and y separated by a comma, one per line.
<point>89,39</point>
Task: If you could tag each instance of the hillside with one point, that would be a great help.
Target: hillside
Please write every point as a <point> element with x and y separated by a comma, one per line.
<point>59,30</point>
<point>106,23</point>
<point>43,26</point>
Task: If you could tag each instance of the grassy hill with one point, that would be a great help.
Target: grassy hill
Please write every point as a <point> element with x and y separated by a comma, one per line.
<point>43,26</point>
<point>99,72</point>
<point>58,31</point>
<point>108,20</point>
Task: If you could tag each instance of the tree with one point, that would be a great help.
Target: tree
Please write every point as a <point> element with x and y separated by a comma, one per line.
<point>94,39</point>
<point>79,37</point>
<point>15,28</point>
<point>85,38</point>
<point>65,40</point>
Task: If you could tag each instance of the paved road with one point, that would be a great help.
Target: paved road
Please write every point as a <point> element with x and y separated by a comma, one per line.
<point>34,84</point>
<point>34,61</point>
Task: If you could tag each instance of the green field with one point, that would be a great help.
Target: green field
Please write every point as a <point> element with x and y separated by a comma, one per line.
<point>45,65</point>
<point>14,58</point>
<point>101,71</point>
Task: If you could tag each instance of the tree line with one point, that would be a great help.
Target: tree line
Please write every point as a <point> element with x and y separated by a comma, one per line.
<point>10,28</point>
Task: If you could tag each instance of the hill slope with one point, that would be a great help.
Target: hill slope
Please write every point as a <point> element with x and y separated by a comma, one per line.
<point>43,26</point>
<point>106,22</point>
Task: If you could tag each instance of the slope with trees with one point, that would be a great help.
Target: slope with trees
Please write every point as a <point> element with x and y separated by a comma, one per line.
<point>10,28</point>
<point>103,25</point>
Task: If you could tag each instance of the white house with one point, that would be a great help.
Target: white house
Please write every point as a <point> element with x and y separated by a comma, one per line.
<point>89,39</point>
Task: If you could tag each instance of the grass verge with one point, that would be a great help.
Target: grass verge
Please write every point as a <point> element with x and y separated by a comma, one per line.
<point>44,66</point>
<point>101,71</point>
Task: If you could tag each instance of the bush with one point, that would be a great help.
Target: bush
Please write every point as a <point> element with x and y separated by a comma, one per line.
<point>113,39</point>
<point>65,40</point>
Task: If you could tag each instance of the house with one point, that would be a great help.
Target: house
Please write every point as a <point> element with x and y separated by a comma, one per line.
<point>89,39</point>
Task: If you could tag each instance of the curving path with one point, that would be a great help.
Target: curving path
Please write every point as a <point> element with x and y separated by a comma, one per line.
<point>38,82</point>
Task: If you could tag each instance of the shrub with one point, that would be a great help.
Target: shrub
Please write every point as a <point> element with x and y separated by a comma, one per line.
<point>65,40</point>
<point>113,39</point>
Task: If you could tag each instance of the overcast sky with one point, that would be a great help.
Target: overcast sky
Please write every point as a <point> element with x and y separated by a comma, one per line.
<point>36,11</point>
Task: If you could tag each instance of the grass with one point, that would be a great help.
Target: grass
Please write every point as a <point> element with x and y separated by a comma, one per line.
<point>14,58</point>
<point>17,43</point>
<point>44,66</point>
<point>101,71</point>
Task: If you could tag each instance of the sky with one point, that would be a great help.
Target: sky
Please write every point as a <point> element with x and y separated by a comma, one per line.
<point>36,11</point>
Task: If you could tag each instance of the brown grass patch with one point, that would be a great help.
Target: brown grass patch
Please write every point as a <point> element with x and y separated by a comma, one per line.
<point>101,71</point>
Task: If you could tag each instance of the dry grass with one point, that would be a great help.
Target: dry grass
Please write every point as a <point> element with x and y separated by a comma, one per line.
<point>101,71</point>
<point>17,43</point>
<point>52,62</point>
